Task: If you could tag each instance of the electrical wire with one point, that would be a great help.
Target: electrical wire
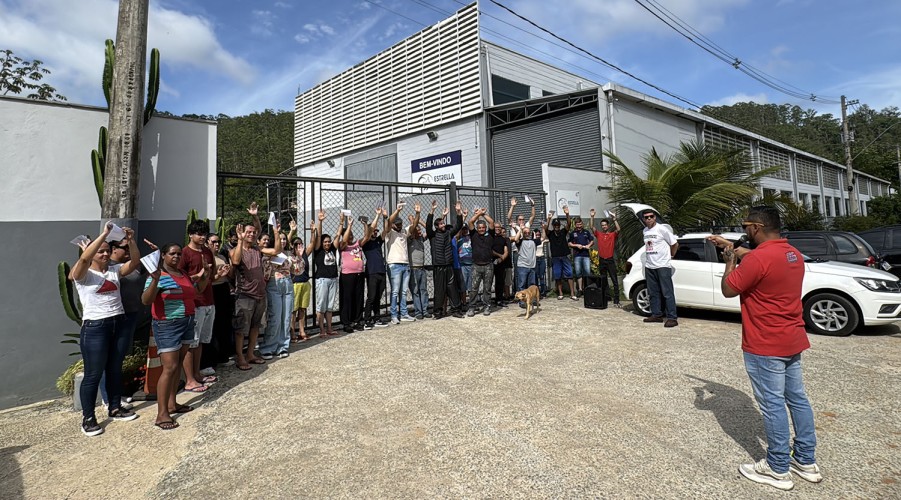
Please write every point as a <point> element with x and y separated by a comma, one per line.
<point>705,43</point>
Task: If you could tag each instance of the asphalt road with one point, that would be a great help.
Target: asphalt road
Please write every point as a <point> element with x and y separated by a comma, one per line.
<point>571,403</point>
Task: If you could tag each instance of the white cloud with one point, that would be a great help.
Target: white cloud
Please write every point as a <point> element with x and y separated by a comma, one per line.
<point>262,22</point>
<point>71,42</point>
<point>312,28</point>
<point>301,38</point>
<point>760,98</point>
<point>328,30</point>
<point>283,5</point>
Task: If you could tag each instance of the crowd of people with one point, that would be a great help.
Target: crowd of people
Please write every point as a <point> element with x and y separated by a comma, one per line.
<point>245,300</point>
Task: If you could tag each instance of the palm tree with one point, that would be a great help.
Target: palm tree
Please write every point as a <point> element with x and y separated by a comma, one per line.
<point>696,187</point>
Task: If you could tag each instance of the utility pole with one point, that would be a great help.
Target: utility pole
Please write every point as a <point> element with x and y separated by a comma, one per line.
<point>849,172</point>
<point>898,152</point>
<point>123,160</point>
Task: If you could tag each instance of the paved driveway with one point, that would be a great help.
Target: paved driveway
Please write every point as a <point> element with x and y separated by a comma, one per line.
<point>571,403</point>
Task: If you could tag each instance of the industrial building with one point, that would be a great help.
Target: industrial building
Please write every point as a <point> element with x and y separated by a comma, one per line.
<point>444,105</point>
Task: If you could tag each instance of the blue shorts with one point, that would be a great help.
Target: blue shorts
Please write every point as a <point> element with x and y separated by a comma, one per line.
<point>170,334</point>
<point>583,266</point>
<point>562,268</point>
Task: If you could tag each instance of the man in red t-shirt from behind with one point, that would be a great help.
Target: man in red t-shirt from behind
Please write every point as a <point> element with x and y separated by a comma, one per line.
<point>768,282</point>
<point>606,244</point>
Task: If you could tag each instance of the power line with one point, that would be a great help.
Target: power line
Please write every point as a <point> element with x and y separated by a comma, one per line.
<point>720,53</point>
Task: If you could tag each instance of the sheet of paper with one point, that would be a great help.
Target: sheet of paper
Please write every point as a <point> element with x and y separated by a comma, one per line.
<point>346,212</point>
<point>79,239</point>
<point>528,200</point>
<point>115,234</point>
<point>606,213</point>
<point>272,219</point>
<point>151,261</point>
<point>278,259</point>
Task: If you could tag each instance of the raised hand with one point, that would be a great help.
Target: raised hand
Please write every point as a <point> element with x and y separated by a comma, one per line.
<point>592,212</point>
<point>253,209</point>
<point>458,207</point>
<point>445,212</point>
<point>417,207</point>
<point>293,225</point>
<point>513,201</point>
<point>465,211</point>
<point>313,224</point>
<point>107,228</point>
<point>434,205</point>
<point>566,209</point>
<point>322,215</point>
<point>129,234</point>
<point>154,248</point>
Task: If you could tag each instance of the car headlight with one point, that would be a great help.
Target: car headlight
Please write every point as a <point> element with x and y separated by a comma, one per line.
<point>880,285</point>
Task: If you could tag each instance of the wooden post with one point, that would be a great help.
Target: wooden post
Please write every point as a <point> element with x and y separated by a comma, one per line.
<point>123,160</point>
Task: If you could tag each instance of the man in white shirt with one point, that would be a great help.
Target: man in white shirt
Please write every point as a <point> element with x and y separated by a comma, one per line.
<point>660,245</point>
<point>398,262</point>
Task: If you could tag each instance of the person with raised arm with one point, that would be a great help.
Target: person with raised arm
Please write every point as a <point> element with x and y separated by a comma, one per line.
<point>525,256</point>
<point>103,325</point>
<point>353,280</point>
<point>398,262</point>
<point>279,301</point>
<point>223,336</point>
<point>482,260</point>
<point>250,290</point>
<point>606,239</point>
<point>376,273</point>
<point>562,268</point>
<point>300,277</point>
<point>463,262</point>
<point>172,293</point>
<point>325,271</point>
<point>440,233</point>
<point>581,241</point>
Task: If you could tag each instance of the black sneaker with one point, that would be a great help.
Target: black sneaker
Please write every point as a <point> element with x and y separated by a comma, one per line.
<point>89,427</point>
<point>368,326</point>
<point>348,329</point>
<point>381,323</point>
<point>457,314</point>
<point>122,415</point>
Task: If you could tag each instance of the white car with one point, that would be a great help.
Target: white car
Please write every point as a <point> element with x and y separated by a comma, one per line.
<point>837,297</point>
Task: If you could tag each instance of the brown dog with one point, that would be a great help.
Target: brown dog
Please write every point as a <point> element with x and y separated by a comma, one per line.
<point>528,296</point>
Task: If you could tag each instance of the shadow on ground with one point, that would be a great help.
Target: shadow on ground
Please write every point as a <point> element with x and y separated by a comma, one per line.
<point>735,412</point>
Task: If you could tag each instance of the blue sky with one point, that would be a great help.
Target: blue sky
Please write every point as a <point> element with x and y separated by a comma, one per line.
<point>240,56</point>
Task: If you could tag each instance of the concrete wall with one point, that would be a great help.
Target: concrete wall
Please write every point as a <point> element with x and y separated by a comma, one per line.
<point>47,197</point>
<point>637,128</point>
<point>537,75</point>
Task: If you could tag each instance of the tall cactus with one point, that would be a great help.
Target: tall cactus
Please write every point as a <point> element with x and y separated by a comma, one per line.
<point>220,229</point>
<point>67,293</point>
<point>153,85</point>
<point>98,162</point>
<point>110,61</point>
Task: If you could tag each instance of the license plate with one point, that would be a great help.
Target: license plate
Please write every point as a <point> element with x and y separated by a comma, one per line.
<point>886,266</point>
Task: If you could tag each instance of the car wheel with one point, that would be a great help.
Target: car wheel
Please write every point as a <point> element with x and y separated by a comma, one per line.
<point>641,300</point>
<point>830,314</point>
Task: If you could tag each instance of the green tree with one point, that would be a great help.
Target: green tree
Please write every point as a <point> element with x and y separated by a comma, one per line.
<point>795,216</point>
<point>18,75</point>
<point>885,210</point>
<point>696,187</point>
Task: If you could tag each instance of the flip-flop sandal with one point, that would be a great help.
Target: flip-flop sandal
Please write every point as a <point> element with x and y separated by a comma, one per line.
<point>209,379</point>
<point>244,368</point>
<point>168,425</point>
<point>199,388</point>
<point>257,362</point>
<point>183,409</point>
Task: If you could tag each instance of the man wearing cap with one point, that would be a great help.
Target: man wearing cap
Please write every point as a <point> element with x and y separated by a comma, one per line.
<point>560,251</point>
<point>440,234</point>
<point>482,260</point>
<point>606,243</point>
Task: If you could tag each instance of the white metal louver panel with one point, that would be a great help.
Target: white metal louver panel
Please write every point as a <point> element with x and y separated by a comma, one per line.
<point>428,79</point>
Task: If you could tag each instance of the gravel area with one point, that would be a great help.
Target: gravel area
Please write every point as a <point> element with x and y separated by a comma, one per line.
<point>570,403</point>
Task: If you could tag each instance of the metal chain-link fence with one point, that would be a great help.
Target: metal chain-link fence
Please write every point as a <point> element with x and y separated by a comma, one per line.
<point>300,199</point>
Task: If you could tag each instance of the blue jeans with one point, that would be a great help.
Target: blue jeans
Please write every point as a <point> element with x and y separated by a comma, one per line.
<point>582,265</point>
<point>525,277</point>
<point>420,289</point>
<point>400,274</point>
<point>279,303</point>
<point>466,270</point>
<point>122,347</point>
<point>541,274</point>
<point>660,287</point>
<point>777,382</point>
<point>98,342</point>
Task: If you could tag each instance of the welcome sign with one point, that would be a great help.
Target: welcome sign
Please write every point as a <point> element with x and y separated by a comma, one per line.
<point>439,169</point>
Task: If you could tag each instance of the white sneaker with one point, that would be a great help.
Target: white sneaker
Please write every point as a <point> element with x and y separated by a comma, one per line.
<point>808,472</point>
<point>206,372</point>
<point>395,321</point>
<point>761,472</point>
<point>407,318</point>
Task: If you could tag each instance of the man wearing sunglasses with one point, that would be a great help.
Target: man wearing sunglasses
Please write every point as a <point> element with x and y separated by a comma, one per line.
<point>660,244</point>
<point>772,338</point>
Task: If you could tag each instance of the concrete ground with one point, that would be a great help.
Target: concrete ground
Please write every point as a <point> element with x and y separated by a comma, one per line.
<point>571,403</point>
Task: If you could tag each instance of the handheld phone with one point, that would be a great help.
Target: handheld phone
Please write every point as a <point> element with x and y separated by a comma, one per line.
<point>363,219</point>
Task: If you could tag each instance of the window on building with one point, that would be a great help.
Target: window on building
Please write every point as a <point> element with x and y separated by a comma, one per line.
<point>804,198</point>
<point>847,207</point>
<point>828,206</point>
<point>545,93</point>
<point>504,91</point>
<point>769,193</point>
<point>815,203</point>
<point>788,194</point>
<point>863,207</point>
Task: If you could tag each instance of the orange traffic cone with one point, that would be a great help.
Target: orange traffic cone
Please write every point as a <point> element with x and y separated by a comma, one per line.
<point>154,367</point>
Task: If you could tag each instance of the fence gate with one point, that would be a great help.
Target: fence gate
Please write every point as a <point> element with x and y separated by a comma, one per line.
<point>301,198</point>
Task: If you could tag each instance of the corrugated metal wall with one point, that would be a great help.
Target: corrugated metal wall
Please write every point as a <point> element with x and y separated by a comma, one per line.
<point>573,140</point>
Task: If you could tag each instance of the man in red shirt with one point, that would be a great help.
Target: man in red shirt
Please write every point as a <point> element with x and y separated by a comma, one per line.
<point>606,243</point>
<point>773,337</point>
<point>195,258</point>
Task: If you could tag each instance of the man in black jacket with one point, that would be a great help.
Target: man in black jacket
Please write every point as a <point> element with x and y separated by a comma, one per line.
<point>440,234</point>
